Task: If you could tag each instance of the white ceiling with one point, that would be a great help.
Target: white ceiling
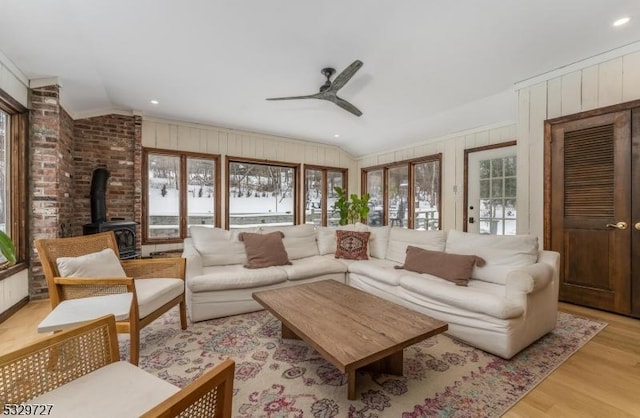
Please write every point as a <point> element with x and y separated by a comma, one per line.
<point>430,67</point>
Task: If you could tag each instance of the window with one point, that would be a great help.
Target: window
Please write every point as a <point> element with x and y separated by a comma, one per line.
<point>261,193</point>
<point>181,189</point>
<point>320,194</point>
<point>13,179</point>
<point>498,196</point>
<point>405,194</point>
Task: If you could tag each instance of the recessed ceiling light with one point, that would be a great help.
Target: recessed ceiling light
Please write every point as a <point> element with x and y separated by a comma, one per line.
<point>622,21</point>
<point>154,102</point>
<point>336,135</point>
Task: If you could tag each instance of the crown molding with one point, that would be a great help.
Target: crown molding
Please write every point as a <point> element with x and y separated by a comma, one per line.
<point>36,83</point>
<point>100,112</point>
<point>13,69</point>
<point>579,65</point>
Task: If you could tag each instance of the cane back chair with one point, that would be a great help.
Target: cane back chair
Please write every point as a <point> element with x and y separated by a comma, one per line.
<point>151,281</point>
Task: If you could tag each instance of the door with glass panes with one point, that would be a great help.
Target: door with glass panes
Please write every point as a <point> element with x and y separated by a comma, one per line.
<point>491,190</point>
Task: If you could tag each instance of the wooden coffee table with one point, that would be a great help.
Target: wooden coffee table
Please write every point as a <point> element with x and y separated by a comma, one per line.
<point>350,328</point>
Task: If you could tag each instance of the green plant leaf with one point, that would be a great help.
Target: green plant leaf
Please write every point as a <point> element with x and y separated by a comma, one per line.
<point>7,248</point>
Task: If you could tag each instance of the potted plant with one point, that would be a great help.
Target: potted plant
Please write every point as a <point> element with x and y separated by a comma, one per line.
<point>7,249</point>
<point>353,210</point>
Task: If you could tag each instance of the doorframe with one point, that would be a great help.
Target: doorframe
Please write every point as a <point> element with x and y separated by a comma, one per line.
<point>548,125</point>
<point>466,175</point>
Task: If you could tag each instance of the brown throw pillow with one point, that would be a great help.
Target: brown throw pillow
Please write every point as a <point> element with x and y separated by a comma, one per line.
<point>264,250</point>
<point>455,268</point>
<point>352,245</point>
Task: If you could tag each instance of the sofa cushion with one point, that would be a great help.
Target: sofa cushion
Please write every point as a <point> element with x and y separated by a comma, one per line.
<point>352,245</point>
<point>218,247</point>
<point>501,253</point>
<point>378,270</point>
<point>299,240</point>
<point>400,238</point>
<point>378,240</point>
<point>264,250</point>
<point>313,267</point>
<point>326,236</point>
<point>100,264</point>
<point>473,299</point>
<point>455,268</point>
<point>235,277</point>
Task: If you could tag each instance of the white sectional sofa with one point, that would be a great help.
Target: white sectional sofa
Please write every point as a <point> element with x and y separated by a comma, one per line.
<point>509,302</point>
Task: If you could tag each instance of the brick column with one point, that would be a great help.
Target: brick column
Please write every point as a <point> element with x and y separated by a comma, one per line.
<point>50,140</point>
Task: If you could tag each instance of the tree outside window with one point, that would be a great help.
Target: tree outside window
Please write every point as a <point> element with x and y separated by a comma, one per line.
<point>320,194</point>
<point>261,194</point>
<point>181,190</point>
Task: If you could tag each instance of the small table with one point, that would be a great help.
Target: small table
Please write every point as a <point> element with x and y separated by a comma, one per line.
<point>76,311</point>
<point>350,328</point>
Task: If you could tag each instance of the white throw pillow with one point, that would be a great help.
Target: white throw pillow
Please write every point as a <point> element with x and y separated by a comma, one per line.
<point>299,240</point>
<point>219,247</point>
<point>378,240</point>
<point>400,238</point>
<point>100,264</point>
<point>502,253</point>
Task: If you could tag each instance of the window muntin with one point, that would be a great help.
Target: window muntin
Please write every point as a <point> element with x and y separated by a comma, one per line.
<point>320,194</point>
<point>180,191</point>
<point>260,194</point>
<point>426,193</point>
<point>498,196</point>
<point>374,181</point>
<point>405,194</point>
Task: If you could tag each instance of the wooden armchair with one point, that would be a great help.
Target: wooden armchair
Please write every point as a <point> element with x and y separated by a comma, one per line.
<point>157,284</point>
<point>78,373</point>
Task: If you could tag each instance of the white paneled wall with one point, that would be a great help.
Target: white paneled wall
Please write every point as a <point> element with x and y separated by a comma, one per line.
<point>13,82</point>
<point>610,82</point>
<point>173,135</point>
<point>13,289</point>
<point>452,148</point>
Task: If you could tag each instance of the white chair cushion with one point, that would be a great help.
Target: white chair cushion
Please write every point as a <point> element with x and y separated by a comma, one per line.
<point>235,277</point>
<point>400,238</point>
<point>299,240</point>
<point>117,390</point>
<point>502,253</point>
<point>153,293</point>
<point>218,247</point>
<point>103,263</point>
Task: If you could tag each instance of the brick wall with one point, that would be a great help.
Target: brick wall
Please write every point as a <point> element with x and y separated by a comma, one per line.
<point>64,154</point>
<point>108,142</point>
<point>50,184</point>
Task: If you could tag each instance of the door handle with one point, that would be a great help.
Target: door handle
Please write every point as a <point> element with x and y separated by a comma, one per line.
<point>621,225</point>
<point>637,226</point>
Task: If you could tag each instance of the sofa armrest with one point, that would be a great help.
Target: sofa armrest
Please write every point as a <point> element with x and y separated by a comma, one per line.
<point>529,279</point>
<point>194,260</point>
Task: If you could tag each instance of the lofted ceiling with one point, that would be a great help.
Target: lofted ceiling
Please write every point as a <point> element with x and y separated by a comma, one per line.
<point>430,67</point>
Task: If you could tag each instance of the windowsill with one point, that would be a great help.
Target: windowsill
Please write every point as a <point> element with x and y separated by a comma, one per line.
<point>10,271</point>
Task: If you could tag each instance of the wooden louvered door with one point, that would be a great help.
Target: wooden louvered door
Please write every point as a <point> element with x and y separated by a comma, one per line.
<point>591,207</point>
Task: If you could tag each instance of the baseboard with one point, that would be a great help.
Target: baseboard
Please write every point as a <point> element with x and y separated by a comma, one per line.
<point>15,308</point>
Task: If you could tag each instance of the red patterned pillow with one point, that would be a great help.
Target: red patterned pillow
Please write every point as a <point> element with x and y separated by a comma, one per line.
<point>352,245</point>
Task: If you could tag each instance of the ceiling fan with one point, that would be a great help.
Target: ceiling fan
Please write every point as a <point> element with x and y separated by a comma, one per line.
<point>329,90</point>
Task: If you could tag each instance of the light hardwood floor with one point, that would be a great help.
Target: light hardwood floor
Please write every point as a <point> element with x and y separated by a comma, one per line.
<point>601,380</point>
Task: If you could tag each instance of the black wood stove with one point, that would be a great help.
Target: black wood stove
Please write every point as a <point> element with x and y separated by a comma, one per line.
<point>125,231</point>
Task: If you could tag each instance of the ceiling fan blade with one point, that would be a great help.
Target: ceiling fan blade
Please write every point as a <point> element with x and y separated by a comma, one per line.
<point>347,106</point>
<point>345,76</point>
<point>310,96</point>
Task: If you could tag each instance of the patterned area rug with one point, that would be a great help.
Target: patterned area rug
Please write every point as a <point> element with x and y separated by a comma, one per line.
<point>276,378</point>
